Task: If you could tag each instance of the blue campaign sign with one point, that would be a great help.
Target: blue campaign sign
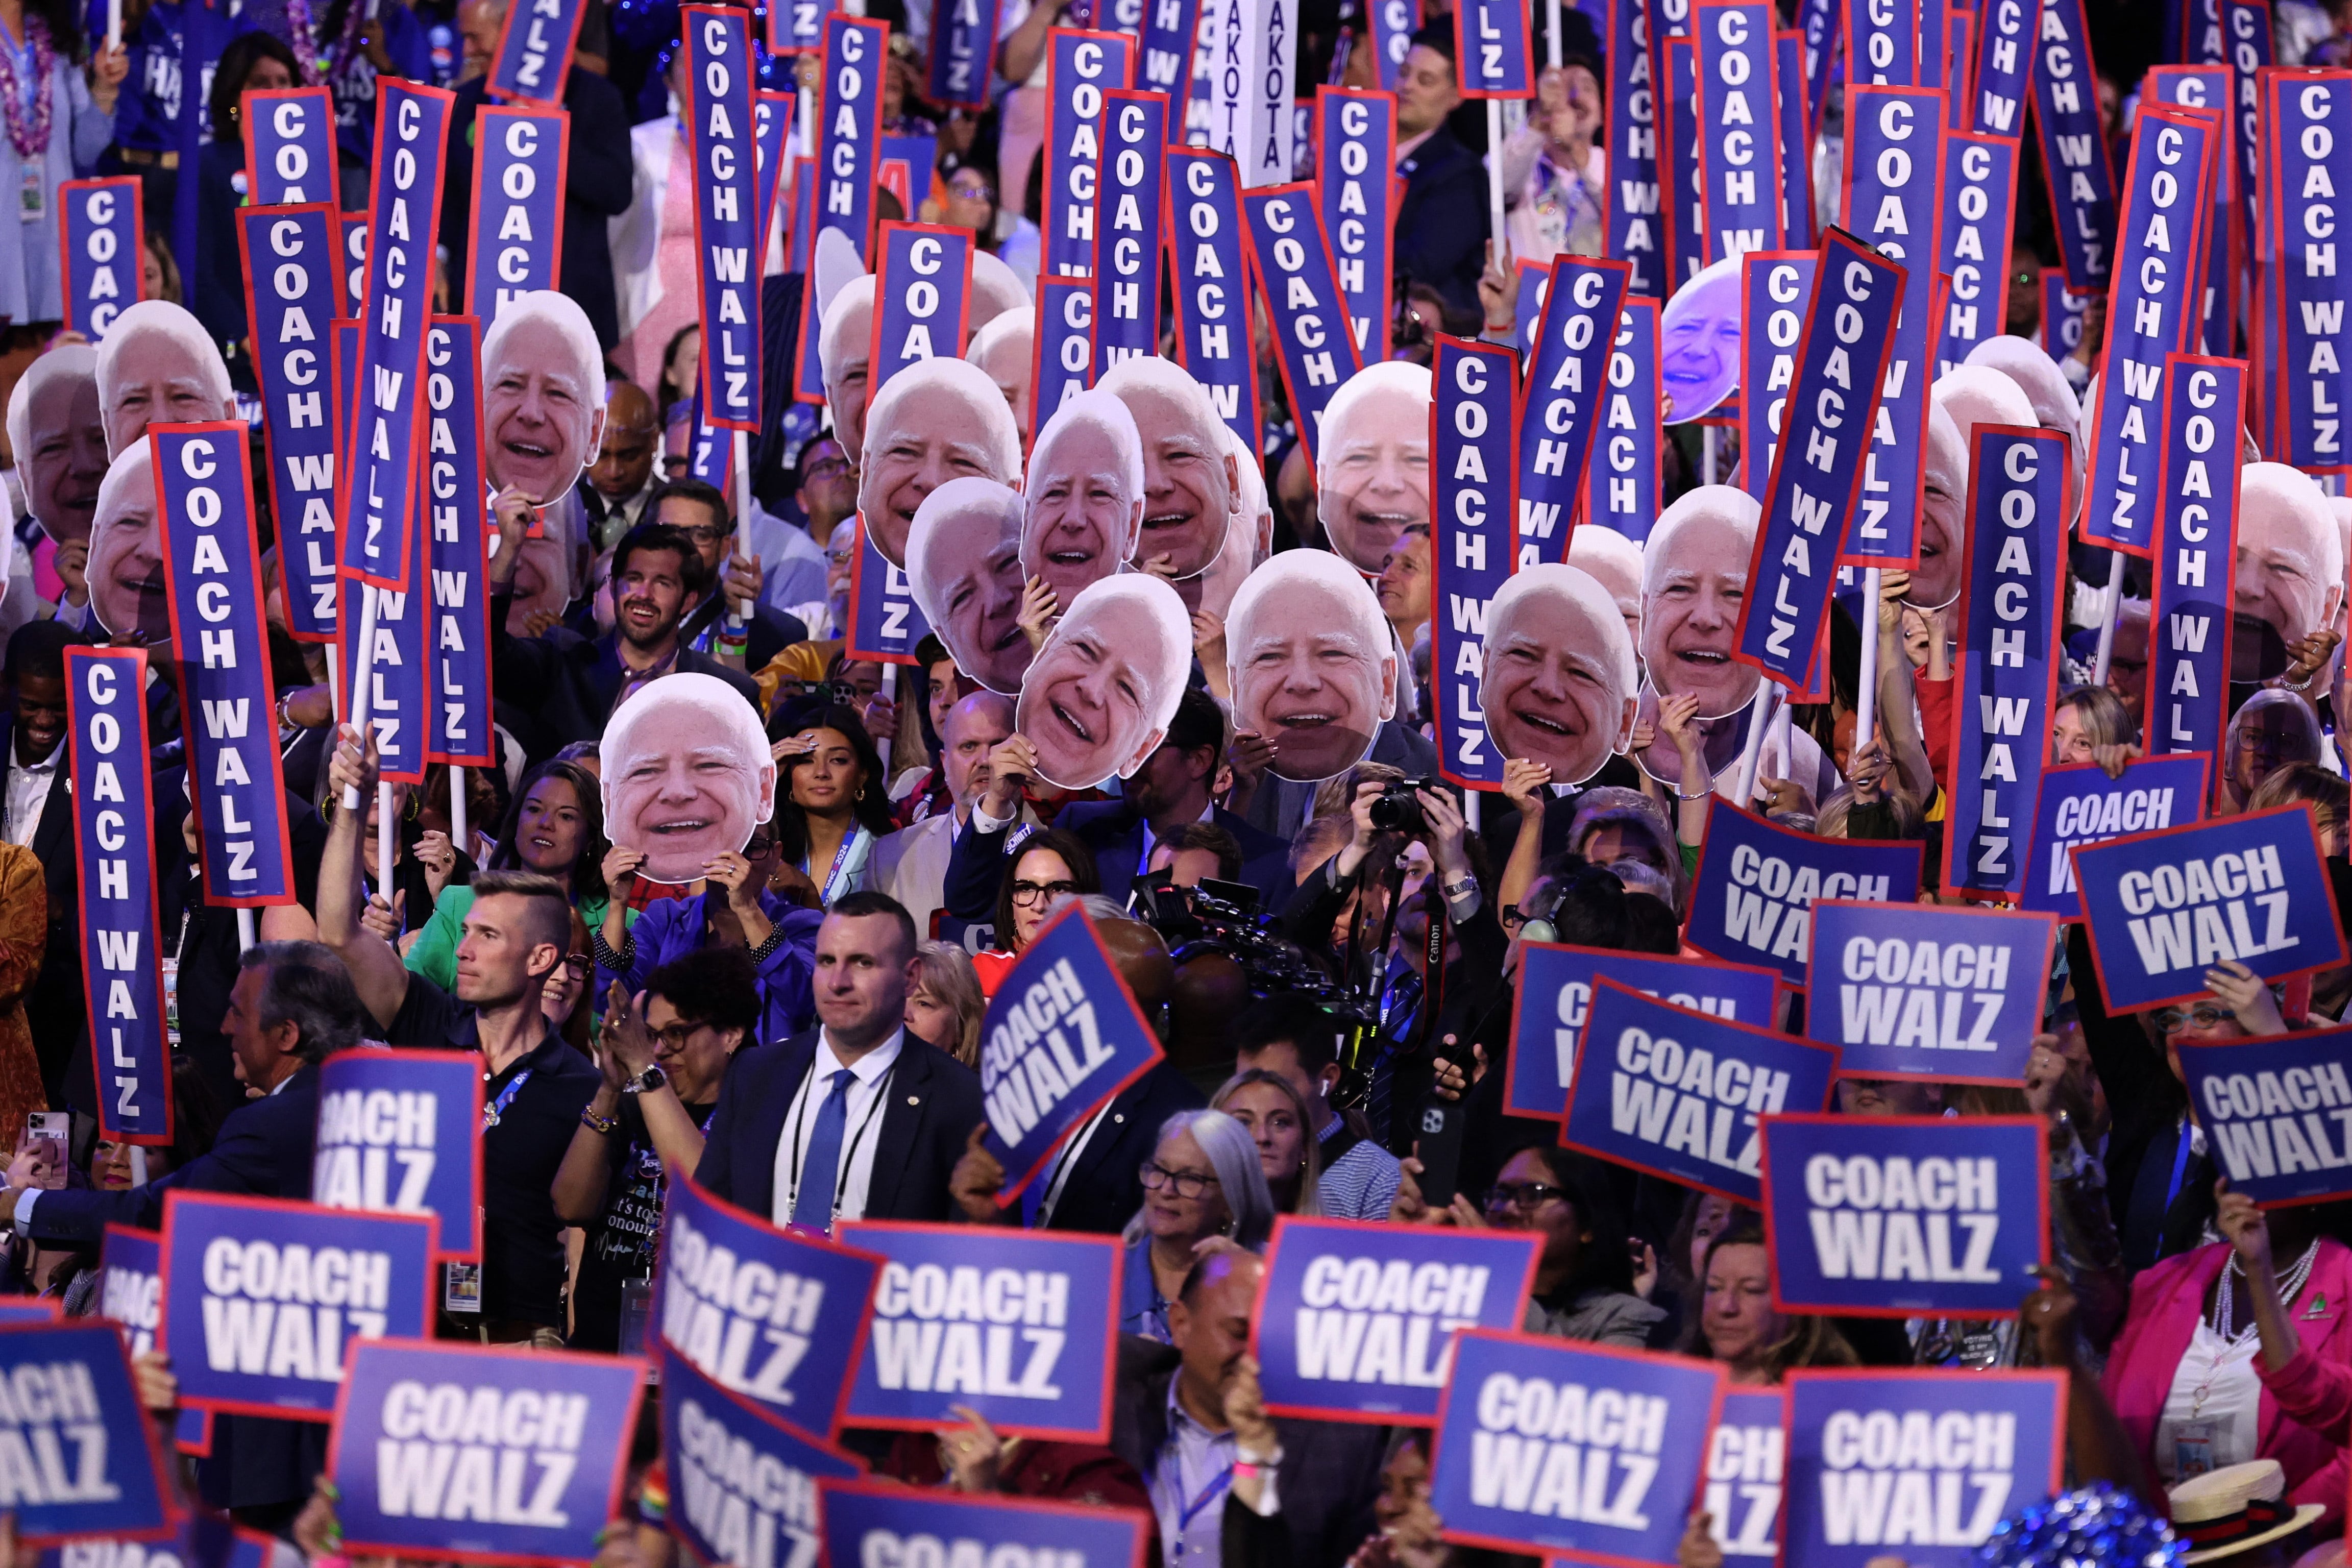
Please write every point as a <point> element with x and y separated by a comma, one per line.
<point>1894,164</point>
<point>1080,68</point>
<point>1355,1320</point>
<point>1621,484</point>
<point>102,251</point>
<point>2277,1113</point>
<point>772,134</point>
<point>963,46</point>
<point>1393,24</point>
<point>1527,303</point>
<point>1776,293</point>
<point>1491,43</point>
<point>514,233</point>
<point>1062,1036</point>
<point>2208,87</point>
<point>1019,1325</point>
<point>1810,498</point>
<point>395,662</point>
<point>747,1303</point>
<point>1563,400</point>
<point>1555,996</point>
<point>2193,615</point>
<point>742,1485</point>
<point>1959,41</point>
<point>379,511</point>
<point>1747,1467</point>
<point>885,622</point>
<point>2006,674</point>
<point>264,1299</point>
<point>1129,220</point>
<point>2306,113</point>
<point>1795,126</point>
<point>1062,363</point>
<point>400,1132</point>
<point>797,26</point>
<point>2074,145</point>
<point>289,147</point>
<point>457,721</point>
<point>848,130</point>
<point>114,816</point>
<point>1682,199</point>
<point>923,298</point>
<point>1882,44</point>
<point>355,227</point>
<point>1928,991</point>
<point>534,52</point>
<point>808,366</point>
<point>1738,126</point>
<point>1752,896</point>
<point>212,578</point>
<point>1896,1216</point>
<point>1315,346</point>
<point>2081,806</point>
<point>2249,47</point>
<point>293,292</point>
<point>478,1453</point>
<point>78,1455</point>
<point>2165,906</point>
<point>884,1522</point>
<point>1211,285</point>
<point>1632,150</point>
<point>2004,68</point>
<point>200,1540</point>
<point>722,76</point>
<point>1577,1451</point>
<point>1472,542</point>
<point>2154,309</point>
<point>131,1284</point>
<point>1973,239</point>
<point>1817,25</point>
<point>1355,171</point>
<point>1681,1094</point>
<point>1917,1464</point>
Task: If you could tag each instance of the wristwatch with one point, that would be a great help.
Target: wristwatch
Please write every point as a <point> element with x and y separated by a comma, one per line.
<point>653,1078</point>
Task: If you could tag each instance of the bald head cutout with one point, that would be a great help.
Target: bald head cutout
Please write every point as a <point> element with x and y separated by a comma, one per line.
<point>1311,662</point>
<point>1694,580</point>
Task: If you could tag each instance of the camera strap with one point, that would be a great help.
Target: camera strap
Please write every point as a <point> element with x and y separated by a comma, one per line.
<point>1434,966</point>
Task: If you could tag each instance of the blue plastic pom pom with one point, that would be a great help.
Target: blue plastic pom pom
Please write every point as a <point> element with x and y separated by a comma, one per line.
<point>2097,1526</point>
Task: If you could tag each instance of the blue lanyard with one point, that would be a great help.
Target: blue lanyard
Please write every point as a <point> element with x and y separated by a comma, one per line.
<point>506,1097</point>
<point>1209,1494</point>
<point>2179,1167</point>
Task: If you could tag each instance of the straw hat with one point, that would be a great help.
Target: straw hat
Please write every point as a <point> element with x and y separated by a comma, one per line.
<point>2235,1509</point>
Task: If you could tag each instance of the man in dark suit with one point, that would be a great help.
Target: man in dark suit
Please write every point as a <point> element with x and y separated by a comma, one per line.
<point>599,178</point>
<point>1282,806</point>
<point>576,681</point>
<point>1186,1413</point>
<point>293,1005</point>
<point>1170,790</point>
<point>36,810</point>
<point>855,1119</point>
<point>1441,229</point>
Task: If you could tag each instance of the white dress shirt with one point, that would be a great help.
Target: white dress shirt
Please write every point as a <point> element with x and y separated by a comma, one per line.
<point>28,792</point>
<point>855,1173</point>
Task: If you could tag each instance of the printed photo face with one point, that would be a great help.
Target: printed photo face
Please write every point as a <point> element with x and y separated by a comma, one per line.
<point>1552,693</point>
<point>1700,334</point>
<point>1080,522</point>
<point>971,570</point>
<point>1375,476</point>
<point>683,785</point>
<point>538,410</point>
<point>1943,535</point>
<point>845,391</point>
<point>1690,615</point>
<point>163,379</point>
<point>1620,572</point>
<point>1188,482</point>
<point>1007,364</point>
<point>1088,701</point>
<point>2282,578</point>
<point>1315,674</point>
<point>928,441</point>
<point>126,563</point>
<point>67,460</point>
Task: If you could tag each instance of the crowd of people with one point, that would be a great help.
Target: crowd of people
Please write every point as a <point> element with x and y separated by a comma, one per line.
<point>733,900</point>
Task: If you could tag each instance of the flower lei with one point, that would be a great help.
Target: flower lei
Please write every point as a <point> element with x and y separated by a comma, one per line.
<point>306,44</point>
<point>30,141</point>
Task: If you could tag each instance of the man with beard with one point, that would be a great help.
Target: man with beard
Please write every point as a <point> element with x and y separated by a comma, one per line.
<point>60,446</point>
<point>542,396</point>
<point>1097,699</point>
<point>844,344</point>
<point>1083,501</point>
<point>1371,461</point>
<point>1559,684</point>
<point>700,513</point>
<point>578,681</point>
<point>911,865</point>
<point>2290,579</point>
<point>1191,485</point>
<point>942,420</point>
<point>1006,349</point>
<point>963,566</point>
<point>158,365</point>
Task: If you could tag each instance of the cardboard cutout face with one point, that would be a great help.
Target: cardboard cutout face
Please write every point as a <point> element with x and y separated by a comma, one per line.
<point>1943,518</point>
<point>1694,579</point>
<point>1614,562</point>
<point>1700,334</point>
<point>1097,699</point>
<point>686,776</point>
<point>158,366</point>
<point>963,564</point>
<point>1373,473</point>
<point>1191,485</point>
<point>126,551</point>
<point>1084,496</point>
<point>60,439</point>
<point>942,420</point>
<point>1312,663</point>
<point>542,398</point>
<point>2290,564</point>
<point>1558,682</point>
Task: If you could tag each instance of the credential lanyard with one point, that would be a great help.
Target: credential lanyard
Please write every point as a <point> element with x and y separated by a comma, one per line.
<point>1209,1494</point>
<point>506,1097</point>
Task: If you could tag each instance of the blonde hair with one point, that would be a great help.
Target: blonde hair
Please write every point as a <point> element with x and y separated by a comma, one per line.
<point>1310,1166</point>
<point>944,973</point>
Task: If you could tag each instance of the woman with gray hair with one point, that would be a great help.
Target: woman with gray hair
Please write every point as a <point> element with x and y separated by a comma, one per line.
<point>1203,1184</point>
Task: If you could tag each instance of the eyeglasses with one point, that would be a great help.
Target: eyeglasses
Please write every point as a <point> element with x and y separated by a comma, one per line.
<point>1038,892</point>
<point>579,966</point>
<point>824,468</point>
<point>677,1034</point>
<point>1525,1197</point>
<point>2205,1014</point>
<point>1184,1184</point>
<point>706,534</point>
<point>977,191</point>
<point>841,557</point>
<point>760,844</point>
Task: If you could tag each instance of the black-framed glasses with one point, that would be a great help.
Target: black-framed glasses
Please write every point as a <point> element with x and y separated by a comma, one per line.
<point>579,966</point>
<point>676,1035</point>
<point>1525,1197</point>
<point>1184,1184</point>
<point>2205,1016</point>
<point>761,844</point>
<point>1036,892</point>
<point>703,534</point>
<point>824,468</point>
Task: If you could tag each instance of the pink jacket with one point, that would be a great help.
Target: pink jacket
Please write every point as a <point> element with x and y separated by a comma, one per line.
<point>2306,1409</point>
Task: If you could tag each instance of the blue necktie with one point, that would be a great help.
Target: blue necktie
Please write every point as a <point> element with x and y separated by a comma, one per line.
<point>812,1204</point>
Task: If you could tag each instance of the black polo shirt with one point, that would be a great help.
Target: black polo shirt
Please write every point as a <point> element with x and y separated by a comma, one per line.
<point>522,1242</point>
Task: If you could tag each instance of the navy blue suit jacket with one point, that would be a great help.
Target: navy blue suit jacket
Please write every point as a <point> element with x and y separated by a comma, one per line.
<point>1115,833</point>
<point>933,1106</point>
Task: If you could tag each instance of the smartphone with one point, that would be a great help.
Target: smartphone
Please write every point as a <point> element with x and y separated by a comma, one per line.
<point>57,1124</point>
<point>1439,1150</point>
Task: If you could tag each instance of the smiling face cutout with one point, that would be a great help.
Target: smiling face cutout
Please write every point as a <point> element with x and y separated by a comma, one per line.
<point>1699,343</point>
<point>963,564</point>
<point>1311,662</point>
<point>1084,496</point>
<point>126,550</point>
<point>1097,699</point>
<point>1371,474</point>
<point>687,774</point>
<point>1559,684</point>
<point>939,420</point>
<point>1694,579</point>
<point>542,396</point>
